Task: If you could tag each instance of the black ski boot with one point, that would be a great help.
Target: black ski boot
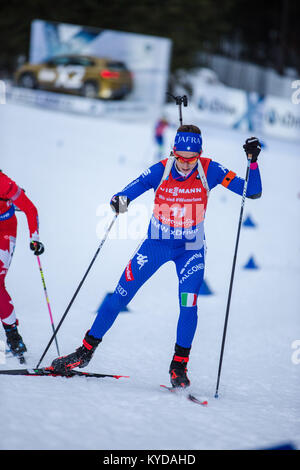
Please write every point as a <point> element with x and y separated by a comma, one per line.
<point>80,358</point>
<point>14,339</point>
<point>178,369</point>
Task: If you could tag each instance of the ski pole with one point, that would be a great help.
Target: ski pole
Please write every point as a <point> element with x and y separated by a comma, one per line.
<point>232,275</point>
<point>179,101</point>
<point>78,289</point>
<point>47,300</point>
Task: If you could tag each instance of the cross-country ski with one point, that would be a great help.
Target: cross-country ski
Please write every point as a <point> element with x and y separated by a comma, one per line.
<point>48,372</point>
<point>186,394</point>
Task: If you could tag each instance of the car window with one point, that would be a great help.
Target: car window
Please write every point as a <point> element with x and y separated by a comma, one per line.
<point>60,61</point>
<point>83,61</point>
<point>116,66</point>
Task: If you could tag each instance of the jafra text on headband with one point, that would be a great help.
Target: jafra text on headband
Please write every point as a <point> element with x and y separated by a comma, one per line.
<point>188,141</point>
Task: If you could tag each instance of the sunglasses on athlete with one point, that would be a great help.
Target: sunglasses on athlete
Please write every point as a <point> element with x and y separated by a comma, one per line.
<point>191,160</point>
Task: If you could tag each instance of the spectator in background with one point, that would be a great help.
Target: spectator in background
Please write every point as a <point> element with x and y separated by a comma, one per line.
<point>160,128</point>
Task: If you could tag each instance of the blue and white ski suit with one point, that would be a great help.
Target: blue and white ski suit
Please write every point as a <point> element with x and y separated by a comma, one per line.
<point>173,237</point>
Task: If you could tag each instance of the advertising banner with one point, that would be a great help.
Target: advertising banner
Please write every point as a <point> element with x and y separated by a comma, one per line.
<point>248,111</point>
<point>78,105</point>
<point>122,66</point>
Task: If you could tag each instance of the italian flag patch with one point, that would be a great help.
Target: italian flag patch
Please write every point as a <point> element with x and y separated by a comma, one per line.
<point>188,300</point>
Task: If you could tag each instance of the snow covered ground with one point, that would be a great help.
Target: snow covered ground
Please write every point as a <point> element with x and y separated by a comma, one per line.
<point>70,166</point>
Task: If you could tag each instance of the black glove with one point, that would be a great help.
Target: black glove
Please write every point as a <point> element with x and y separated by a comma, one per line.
<point>37,248</point>
<point>252,147</point>
<point>119,204</point>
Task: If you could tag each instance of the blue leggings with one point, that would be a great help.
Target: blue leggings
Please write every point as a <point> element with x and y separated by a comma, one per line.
<point>150,256</point>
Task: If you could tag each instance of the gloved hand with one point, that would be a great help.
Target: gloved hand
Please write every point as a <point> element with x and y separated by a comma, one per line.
<point>37,247</point>
<point>119,204</point>
<point>252,147</point>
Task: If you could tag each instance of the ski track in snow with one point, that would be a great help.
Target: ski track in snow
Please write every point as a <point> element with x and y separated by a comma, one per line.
<point>69,165</point>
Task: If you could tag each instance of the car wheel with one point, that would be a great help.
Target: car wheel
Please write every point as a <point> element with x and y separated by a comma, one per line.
<point>90,90</point>
<point>27,80</point>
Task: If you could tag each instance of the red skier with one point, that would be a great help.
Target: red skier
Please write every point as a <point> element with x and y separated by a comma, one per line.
<point>11,196</point>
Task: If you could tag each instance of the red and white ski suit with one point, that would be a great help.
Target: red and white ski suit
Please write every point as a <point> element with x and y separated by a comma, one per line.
<point>12,195</point>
